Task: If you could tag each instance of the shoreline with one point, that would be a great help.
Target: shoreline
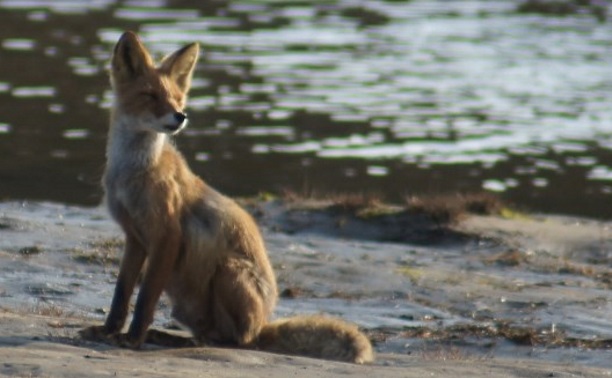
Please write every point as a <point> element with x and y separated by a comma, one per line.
<point>538,284</point>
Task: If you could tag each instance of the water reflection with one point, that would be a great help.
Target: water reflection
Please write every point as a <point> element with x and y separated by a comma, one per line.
<point>396,98</point>
<point>18,44</point>
<point>34,92</point>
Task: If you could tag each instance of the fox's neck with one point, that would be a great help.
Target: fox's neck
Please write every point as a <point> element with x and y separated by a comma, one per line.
<point>132,149</point>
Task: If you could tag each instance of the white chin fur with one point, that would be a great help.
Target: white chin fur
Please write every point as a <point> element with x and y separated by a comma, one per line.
<point>179,129</point>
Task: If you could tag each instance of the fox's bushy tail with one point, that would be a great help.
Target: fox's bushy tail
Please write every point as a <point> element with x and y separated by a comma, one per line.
<point>316,336</point>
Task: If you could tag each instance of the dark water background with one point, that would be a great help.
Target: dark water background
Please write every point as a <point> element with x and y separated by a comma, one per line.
<point>396,98</point>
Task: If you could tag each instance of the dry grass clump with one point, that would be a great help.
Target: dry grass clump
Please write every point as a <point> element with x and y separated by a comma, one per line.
<point>511,257</point>
<point>443,209</point>
<point>450,209</point>
<point>51,310</point>
<point>361,205</point>
<point>518,334</point>
<point>365,16</point>
<point>448,353</point>
<point>295,292</point>
<point>41,308</point>
<point>557,8</point>
<point>564,8</point>
<point>101,252</point>
<point>31,250</point>
<point>358,204</point>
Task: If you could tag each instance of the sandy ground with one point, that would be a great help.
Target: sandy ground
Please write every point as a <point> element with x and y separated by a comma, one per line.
<point>38,346</point>
<point>418,290</point>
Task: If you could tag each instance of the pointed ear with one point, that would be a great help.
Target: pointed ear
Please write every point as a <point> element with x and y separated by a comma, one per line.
<point>130,58</point>
<point>180,64</point>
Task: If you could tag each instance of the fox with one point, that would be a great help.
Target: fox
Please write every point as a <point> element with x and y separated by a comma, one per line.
<point>184,238</point>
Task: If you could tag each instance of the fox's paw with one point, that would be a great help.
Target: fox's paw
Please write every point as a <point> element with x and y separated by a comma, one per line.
<point>123,340</point>
<point>168,340</point>
<point>101,334</point>
<point>95,333</point>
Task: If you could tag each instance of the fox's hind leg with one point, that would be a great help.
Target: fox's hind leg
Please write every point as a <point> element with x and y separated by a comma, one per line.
<point>242,298</point>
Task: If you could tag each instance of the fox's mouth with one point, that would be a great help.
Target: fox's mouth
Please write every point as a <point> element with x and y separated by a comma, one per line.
<point>173,128</point>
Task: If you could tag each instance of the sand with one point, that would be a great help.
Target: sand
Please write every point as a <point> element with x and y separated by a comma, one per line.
<point>420,291</point>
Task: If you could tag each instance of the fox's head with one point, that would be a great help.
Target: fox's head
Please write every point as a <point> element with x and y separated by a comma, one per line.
<point>152,96</point>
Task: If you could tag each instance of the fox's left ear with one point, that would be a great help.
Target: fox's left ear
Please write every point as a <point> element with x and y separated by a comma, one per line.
<point>130,58</point>
<point>180,64</point>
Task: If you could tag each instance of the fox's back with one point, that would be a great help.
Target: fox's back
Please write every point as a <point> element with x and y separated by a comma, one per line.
<point>217,234</point>
<point>216,228</point>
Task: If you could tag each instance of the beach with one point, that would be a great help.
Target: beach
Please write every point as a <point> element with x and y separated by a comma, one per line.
<point>504,295</point>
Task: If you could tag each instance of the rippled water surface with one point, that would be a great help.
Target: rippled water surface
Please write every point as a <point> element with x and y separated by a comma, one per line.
<point>391,97</point>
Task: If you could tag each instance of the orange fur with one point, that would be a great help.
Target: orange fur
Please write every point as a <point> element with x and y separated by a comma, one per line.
<point>192,242</point>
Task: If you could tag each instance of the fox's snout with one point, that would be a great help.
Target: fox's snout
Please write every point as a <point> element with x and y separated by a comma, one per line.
<point>180,117</point>
<point>175,122</point>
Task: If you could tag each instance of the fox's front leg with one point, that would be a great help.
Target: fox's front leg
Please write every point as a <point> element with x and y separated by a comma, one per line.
<point>131,266</point>
<point>161,261</point>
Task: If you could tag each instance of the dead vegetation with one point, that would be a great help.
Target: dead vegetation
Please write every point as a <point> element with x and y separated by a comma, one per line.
<point>452,208</point>
<point>43,308</point>
<point>511,257</point>
<point>443,209</point>
<point>364,16</point>
<point>295,292</point>
<point>427,219</point>
<point>448,353</point>
<point>520,335</point>
<point>565,8</point>
<point>31,250</point>
<point>361,205</point>
<point>354,203</point>
<point>101,252</point>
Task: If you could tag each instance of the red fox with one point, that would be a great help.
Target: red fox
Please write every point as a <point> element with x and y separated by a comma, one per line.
<point>187,239</point>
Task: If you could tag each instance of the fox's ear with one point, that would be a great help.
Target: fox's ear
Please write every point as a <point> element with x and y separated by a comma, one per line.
<point>180,64</point>
<point>130,58</point>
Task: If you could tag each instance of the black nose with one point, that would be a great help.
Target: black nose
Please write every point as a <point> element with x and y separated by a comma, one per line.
<point>180,117</point>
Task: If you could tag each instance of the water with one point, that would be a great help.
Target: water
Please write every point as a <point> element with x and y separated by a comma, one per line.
<point>391,97</point>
